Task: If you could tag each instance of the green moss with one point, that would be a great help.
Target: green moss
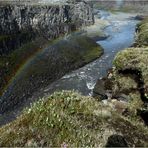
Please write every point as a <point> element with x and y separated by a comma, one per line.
<point>135,103</point>
<point>129,79</point>
<point>142,36</point>
<point>132,59</point>
<point>92,54</point>
<point>123,84</point>
<point>62,118</point>
<point>135,59</point>
<point>71,119</point>
<point>91,50</point>
<point>3,37</point>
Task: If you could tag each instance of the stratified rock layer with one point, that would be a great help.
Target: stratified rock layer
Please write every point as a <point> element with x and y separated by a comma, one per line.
<point>22,23</point>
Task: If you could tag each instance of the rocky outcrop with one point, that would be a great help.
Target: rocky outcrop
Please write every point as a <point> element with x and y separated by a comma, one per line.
<point>22,23</point>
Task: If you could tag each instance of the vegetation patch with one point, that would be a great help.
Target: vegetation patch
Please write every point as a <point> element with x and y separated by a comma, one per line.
<point>134,59</point>
<point>127,83</point>
<point>129,80</point>
<point>71,120</point>
<point>90,50</point>
<point>142,34</point>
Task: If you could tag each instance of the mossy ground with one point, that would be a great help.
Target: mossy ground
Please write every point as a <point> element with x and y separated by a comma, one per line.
<point>3,37</point>
<point>142,35</point>
<point>134,59</point>
<point>129,79</point>
<point>71,120</point>
<point>91,50</point>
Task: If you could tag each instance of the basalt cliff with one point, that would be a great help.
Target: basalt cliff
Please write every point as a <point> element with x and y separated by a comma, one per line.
<point>20,23</point>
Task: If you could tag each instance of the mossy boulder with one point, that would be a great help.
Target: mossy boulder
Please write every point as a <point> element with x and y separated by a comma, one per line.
<point>67,119</point>
<point>132,64</point>
<point>134,60</point>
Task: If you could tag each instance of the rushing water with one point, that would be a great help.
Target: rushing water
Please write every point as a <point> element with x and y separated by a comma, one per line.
<point>121,33</point>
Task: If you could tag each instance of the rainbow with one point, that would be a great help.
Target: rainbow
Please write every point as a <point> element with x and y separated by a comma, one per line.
<point>25,64</point>
<point>21,69</point>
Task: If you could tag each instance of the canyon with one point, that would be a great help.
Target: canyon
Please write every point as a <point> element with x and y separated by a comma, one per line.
<point>33,61</point>
<point>73,73</point>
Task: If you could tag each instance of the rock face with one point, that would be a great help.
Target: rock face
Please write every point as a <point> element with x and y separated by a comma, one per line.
<point>22,23</point>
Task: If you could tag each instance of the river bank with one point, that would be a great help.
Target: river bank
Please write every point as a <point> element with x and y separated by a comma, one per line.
<point>119,26</point>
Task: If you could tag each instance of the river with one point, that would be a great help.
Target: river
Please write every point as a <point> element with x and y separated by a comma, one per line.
<point>121,32</point>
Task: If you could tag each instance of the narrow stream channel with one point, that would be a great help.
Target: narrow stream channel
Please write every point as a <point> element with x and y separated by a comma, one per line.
<point>121,33</point>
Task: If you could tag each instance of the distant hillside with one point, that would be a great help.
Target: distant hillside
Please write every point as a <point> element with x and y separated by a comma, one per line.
<point>124,5</point>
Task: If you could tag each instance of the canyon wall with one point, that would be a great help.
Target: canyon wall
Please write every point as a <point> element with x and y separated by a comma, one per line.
<point>21,23</point>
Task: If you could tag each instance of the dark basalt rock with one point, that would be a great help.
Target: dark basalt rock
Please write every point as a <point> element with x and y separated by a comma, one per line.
<point>99,91</point>
<point>103,88</point>
<point>21,23</point>
<point>116,141</point>
<point>144,115</point>
<point>140,17</point>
